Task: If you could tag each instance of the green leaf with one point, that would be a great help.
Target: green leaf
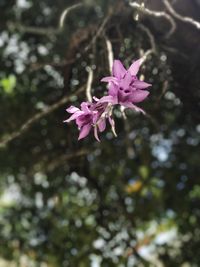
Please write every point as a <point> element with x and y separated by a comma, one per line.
<point>8,84</point>
<point>144,171</point>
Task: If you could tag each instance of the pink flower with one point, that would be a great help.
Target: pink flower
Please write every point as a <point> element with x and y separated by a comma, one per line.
<point>84,117</point>
<point>90,116</point>
<point>124,86</point>
<point>124,89</point>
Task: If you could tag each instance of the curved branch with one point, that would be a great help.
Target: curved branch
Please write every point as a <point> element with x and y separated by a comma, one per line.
<point>31,29</point>
<point>156,14</point>
<point>65,12</point>
<point>52,165</point>
<point>180,17</point>
<point>40,30</point>
<point>110,53</point>
<point>89,84</point>
<point>36,118</point>
<point>152,50</point>
<point>98,33</point>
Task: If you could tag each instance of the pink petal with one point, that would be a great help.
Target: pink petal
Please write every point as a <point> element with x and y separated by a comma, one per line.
<point>141,85</point>
<point>110,79</point>
<point>118,69</point>
<point>74,116</point>
<point>134,68</point>
<point>113,89</point>
<point>96,134</point>
<point>139,95</point>
<point>95,117</point>
<point>126,81</point>
<point>72,109</point>
<point>102,125</point>
<point>111,121</point>
<point>107,99</point>
<point>84,131</point>
<point>132,106</point>
<point>84,107</point>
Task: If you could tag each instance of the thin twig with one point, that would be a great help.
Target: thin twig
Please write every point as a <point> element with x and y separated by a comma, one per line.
<point>175,51</point>
<point>31,29</point>
<point>65,13</point>
<point>38,66</point>
<point>89,84</point>
<point>180,17</point>
<point>150,35</point>
<point>156,14</point>
<point>110,54</point>
<point>51,166</point>
<point>98,33</point>
<point>36,118</point>
<point>40,30</point>
<point>145,55</point>
<point>152,50</point>
<point>164,89</point>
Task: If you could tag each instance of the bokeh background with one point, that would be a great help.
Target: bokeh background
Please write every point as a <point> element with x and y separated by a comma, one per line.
<point>127,201</point>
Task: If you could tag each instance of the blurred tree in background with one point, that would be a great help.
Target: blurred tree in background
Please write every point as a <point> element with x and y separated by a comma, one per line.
<point>127,201</point>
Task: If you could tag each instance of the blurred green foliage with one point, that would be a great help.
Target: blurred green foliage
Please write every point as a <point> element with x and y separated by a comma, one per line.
<point>8,84</point>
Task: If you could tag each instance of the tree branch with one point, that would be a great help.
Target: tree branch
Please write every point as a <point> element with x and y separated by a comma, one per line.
<point>98,33</point>
<point>43,31</point>
<point>180,17</point>
<point>38,66</point>
<point>65,13</point>
<point>89,84</point>
<point>35,118</point>
<point>31,29</point>
<point>51,166</point>
<point>152,50</point>
<point>156,14</point>
<point>110,53</point>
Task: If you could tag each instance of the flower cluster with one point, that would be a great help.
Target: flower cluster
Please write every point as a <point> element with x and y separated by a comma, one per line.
<point>124,88</point>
